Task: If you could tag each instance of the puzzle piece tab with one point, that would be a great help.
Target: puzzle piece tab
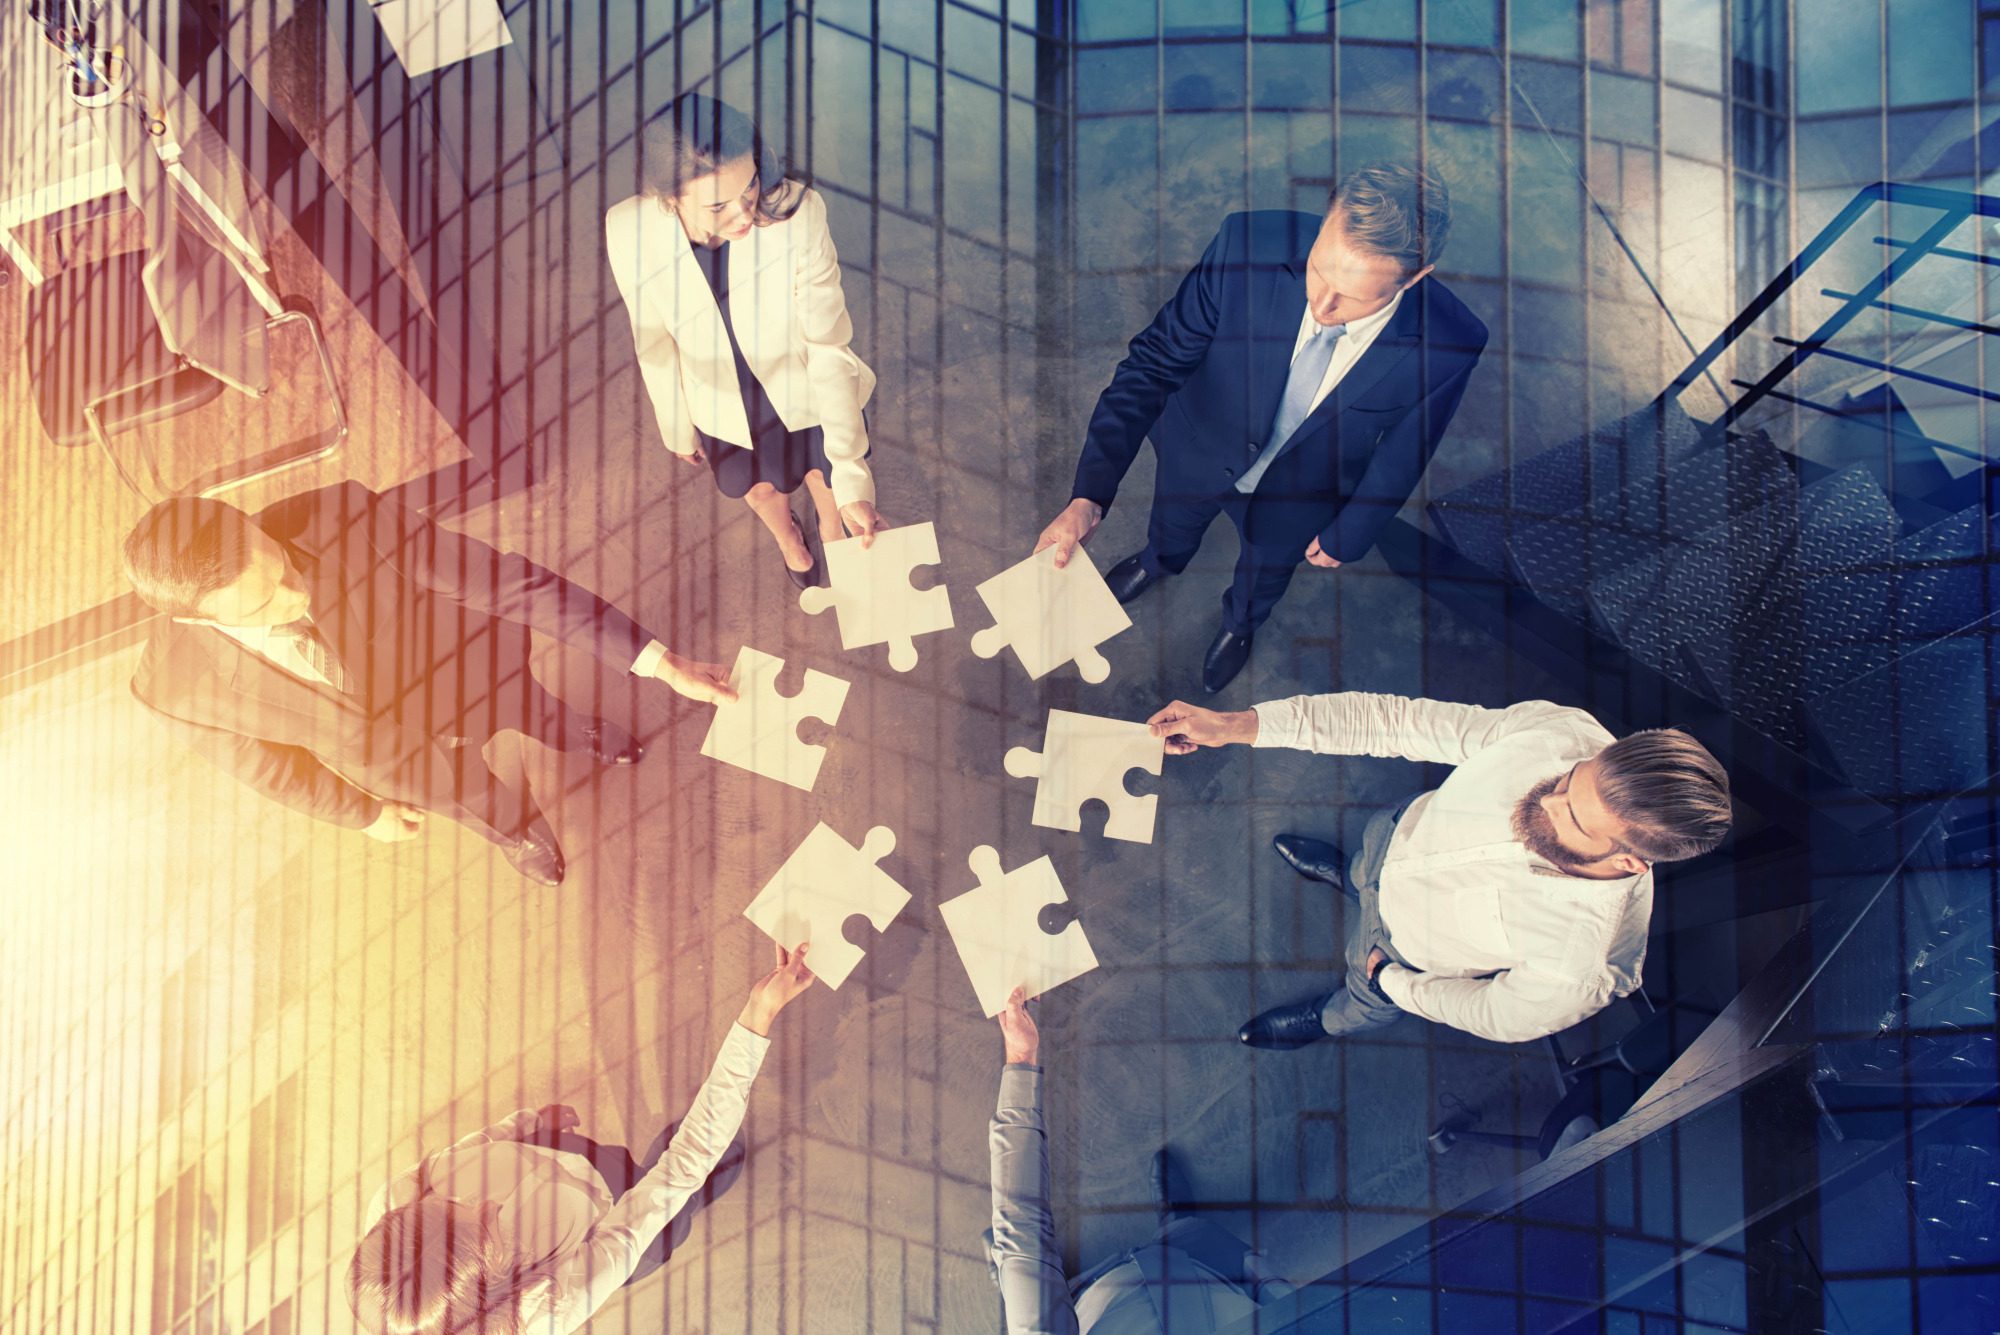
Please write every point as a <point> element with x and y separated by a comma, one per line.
<point>872,594</point>
<point>999,935</point>
<point>823,883</point>
<point>1084,756</point>
<point>1051,616</point>
<point>760,731</point>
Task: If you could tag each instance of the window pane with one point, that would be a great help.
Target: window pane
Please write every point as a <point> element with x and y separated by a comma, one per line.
<point>1930,51</point>
<point>1118,78</point>
<point>1691,42</point>
<point>1691,124</point>
<point>972,44</point>
<point>1117,189</point>
<point>1547,232</point>
<point>1840,57</point>
<point>910,25</point>
<point>972,133</point>
<point>1201,18</point>
<point>1464,87</point>
<point>1543,27</point>
<point>1621,108</point>
<point>1203,78</point>
<point>1115,20</point>
<point>1367,139</point>
<point>1282,18</point>
<point>1378,78</point>
<point>1384,20</point>
<point>1547,94</point>
<point>1467,159</point>
<point>1291,74</point>
<point>1462,22</point>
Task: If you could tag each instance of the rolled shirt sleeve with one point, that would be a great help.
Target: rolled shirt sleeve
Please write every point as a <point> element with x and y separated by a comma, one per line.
<point>1357,723</point>
<point>1034,1296</point>
<point>585,1278</point>
<point>1513,1006</point>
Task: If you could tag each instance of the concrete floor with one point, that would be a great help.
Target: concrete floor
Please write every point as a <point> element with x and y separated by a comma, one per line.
<point>230,1023</point>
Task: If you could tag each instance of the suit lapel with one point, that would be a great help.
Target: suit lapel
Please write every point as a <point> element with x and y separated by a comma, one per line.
<point>760,293</point>
<point>1281,311</point>
<point>1384,355</point>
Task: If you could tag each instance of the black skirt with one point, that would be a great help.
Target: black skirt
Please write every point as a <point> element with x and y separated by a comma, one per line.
<point>782,457</point>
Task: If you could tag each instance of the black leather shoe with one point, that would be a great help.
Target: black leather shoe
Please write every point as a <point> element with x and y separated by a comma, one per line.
<point>1171,1192</point>
<point>537,855</point>
<point>610,744</point>
<point>1130,578</point>
<point>1225,659</point>
<point>1314,859</point>
<point>1283,1028</point>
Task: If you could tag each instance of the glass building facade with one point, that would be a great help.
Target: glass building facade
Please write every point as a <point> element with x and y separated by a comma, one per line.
<point>1725,465</point>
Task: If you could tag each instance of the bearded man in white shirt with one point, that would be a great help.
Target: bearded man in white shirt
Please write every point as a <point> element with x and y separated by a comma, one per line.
<point>1513,900</point>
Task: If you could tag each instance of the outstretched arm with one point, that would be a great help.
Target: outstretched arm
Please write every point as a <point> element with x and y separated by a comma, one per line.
<point>1034,1296</point>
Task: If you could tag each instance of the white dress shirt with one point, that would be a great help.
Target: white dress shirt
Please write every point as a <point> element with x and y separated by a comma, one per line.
<point>1359,337</point>
<point>555,1207</point>
<point>257,639</point>
<point>1511,948</point>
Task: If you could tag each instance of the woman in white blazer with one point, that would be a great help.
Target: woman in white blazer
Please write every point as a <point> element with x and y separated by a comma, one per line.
<point>493,1236</point>
<point>733,288</point>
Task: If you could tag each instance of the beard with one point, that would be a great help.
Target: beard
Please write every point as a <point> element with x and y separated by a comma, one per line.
<point>1533,827</point>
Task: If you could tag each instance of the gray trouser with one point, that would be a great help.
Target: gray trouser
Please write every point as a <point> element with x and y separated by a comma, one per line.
<point>1355,1008</point>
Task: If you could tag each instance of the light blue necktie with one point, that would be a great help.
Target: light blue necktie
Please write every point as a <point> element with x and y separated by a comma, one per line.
<point>1308,369</point>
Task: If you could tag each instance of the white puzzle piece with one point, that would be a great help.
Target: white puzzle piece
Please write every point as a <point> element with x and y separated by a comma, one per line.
<point>872,594</point>
<point>1084,756</point>
<point>823,883</point>
<point>1051,616</point>
<point>999,935</point>
<point>760,731</point>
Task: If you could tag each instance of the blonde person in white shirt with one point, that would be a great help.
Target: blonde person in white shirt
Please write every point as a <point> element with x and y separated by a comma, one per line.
<point>495,1237</point>
<point>731,282</point>
<point>1512,901</point>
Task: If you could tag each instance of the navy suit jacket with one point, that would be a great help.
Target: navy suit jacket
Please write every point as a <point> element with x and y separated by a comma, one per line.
<point>1205,378</point>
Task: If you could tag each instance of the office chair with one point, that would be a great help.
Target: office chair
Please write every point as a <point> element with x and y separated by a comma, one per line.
<point>211,314</point>
<point>1598,1088</point>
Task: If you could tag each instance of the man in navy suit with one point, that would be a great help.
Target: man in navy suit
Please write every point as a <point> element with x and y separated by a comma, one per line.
<point>1298,381</point>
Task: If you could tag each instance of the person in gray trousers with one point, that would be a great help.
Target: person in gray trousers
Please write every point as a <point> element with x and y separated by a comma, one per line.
<point>1193,1278</point>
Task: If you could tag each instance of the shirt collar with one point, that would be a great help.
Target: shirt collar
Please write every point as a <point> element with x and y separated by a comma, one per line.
<point>1368,325</point>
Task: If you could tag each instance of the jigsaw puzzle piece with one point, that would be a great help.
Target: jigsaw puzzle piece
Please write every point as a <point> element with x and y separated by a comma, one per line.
<point>823,883</point>
<point>1084,756</point>
<point>760,731</point>
<point>999,936</point>
<point>872,596</point>
<point>1051,616</point>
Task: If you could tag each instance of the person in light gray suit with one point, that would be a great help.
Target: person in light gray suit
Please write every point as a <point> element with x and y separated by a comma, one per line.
<point>1191,1279</point>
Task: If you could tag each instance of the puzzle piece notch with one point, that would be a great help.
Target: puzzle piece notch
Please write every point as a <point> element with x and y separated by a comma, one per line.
<point>998,931</point>
<point>823,883</point>
<point>1084,756</point>
<point>1051,616</point>
<point>760,731</point>
<point>872,596</point>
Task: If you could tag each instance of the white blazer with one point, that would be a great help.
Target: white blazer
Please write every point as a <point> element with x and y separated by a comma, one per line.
<point>791,321</point>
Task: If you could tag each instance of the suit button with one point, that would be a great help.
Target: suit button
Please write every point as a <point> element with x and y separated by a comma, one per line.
<point>1229,472</point>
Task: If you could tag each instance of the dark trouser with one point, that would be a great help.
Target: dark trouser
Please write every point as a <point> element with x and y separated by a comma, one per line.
<point>620,1171</point>
<point>1173,534</point>
<point>1351,1009</point>
<point>452,777</point>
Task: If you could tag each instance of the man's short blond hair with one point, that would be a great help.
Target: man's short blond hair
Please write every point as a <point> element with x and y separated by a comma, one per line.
<point>1395,211</point>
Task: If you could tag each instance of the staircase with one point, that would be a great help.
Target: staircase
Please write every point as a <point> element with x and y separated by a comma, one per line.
<point>1827,577</point>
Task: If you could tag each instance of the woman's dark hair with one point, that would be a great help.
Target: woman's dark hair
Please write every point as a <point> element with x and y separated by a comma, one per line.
<point>185,549</point>
<point>698,135</point>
